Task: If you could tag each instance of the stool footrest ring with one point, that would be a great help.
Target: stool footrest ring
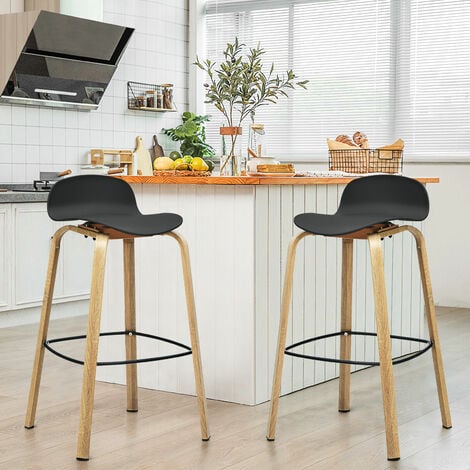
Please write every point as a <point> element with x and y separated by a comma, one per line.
<point>397,360</point>
<point>187,349</point>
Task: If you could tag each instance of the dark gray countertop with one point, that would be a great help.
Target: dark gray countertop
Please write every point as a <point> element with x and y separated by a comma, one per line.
<point>20,196</point>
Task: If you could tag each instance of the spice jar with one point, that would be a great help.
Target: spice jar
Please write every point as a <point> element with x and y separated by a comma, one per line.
<point>167,95</point>
<point>150,98</point>
<point>140,101</point>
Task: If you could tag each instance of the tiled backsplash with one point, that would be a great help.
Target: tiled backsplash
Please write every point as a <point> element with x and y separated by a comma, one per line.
<point>34,139</point>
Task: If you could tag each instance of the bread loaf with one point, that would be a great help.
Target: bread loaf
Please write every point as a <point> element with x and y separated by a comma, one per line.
<point>360,139</point>
<point>345,139</point>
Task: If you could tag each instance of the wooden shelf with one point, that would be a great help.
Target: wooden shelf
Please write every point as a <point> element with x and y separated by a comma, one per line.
<point>155,110</point>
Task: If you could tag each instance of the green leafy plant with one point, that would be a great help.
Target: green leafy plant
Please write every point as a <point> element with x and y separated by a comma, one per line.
<point>192,135</point>
<point>239,85</point>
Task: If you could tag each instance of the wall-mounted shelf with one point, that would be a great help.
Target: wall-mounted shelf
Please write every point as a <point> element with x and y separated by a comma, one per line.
<point>150,97</point>
<point>155,110</point>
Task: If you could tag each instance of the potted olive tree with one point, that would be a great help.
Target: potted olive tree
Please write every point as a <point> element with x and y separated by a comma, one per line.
<point>239,85</point>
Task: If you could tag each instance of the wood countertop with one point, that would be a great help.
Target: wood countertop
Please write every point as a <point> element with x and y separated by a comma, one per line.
<point>248,180</point>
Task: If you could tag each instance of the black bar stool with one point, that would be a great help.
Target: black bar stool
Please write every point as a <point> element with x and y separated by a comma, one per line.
<point>367,207</point>
<point>110,209</point>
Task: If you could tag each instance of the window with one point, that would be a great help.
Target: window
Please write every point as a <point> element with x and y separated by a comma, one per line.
<point>390,68</point>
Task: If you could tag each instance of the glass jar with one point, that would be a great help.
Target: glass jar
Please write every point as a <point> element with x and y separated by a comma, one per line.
<point>150,98</point>
<point>140,101</point>
<point>256,140</point>
<point>167,96</point>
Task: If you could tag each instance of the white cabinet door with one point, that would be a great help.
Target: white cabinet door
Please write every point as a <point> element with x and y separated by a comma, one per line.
<point>76,261</point>
<point>32,231</point>
<point>5,256</point>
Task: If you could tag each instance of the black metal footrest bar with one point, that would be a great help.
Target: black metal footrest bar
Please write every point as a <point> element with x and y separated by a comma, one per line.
<point>397,360</point>
<point>48,342</point>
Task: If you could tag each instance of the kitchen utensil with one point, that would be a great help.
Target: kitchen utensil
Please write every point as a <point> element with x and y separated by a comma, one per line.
<point>53,175</point>
<point>144,161</point>
<point>47,179</point>
<point>157,148</point>
<point>115,171</point>
<point>94,170</point>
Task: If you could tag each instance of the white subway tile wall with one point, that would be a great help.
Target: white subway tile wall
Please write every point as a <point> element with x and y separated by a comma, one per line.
<point>34,139</point>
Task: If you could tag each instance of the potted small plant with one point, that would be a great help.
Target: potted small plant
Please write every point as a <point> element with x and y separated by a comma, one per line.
<point>239,85</point>
<point>192,135</point>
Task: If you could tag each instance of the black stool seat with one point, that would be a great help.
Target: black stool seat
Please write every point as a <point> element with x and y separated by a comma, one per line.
<point>368,201</point>
<point>108,201</point>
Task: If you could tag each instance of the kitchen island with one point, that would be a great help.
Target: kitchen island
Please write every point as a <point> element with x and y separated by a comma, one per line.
<point>238,230</point>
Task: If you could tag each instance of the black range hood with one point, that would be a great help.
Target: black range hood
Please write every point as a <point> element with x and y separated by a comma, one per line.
<point>59,60</point>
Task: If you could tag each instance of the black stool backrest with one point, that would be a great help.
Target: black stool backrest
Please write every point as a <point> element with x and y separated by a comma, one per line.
<point>393,196</point>
<point>86,197</point>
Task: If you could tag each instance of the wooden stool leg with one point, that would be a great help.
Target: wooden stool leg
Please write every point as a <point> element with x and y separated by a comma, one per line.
<point>432,327</point>
<point>43,327</point>
<point>193,331</point>
<point>91,347</point>
<point>385,353</point>
<point>281,343</point>
<point>346,324</point>
<point>130,323</point>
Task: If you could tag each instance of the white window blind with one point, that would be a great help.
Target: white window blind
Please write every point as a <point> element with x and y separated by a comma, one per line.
<point>433,78</point>
<point>390,68</point>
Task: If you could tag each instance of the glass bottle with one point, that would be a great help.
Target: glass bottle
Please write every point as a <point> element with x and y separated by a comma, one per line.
<point>150,98</point>
<point>256,140</point>
<point>255,146</point>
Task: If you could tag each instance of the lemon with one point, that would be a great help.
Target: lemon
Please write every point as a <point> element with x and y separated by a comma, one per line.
<point>180,164</point>
<point>199,164</point>
<point>187,159</point>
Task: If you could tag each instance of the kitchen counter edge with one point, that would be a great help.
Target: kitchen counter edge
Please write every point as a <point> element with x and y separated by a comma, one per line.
<point>10,197</point>
<point>248,180</point>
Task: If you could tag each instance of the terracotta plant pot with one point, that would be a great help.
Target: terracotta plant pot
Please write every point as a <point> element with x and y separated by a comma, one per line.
<point>230,130</point>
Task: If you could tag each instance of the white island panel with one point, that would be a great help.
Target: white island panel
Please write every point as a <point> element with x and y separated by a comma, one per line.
<point>238,237</point>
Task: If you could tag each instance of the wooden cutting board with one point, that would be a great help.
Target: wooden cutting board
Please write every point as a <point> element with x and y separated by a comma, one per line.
<point>157,148</point>
<point>144,161</point>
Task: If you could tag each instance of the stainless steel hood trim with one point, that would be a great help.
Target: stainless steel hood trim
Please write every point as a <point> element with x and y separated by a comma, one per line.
<point>72,59</point>
<point>50,103</point>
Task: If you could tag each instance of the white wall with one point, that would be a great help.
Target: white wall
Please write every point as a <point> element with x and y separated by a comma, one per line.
<point>448,226</point>
<point>34,139</point>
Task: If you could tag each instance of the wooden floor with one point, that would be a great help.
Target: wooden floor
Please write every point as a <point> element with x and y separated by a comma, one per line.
<point>164,434</point>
